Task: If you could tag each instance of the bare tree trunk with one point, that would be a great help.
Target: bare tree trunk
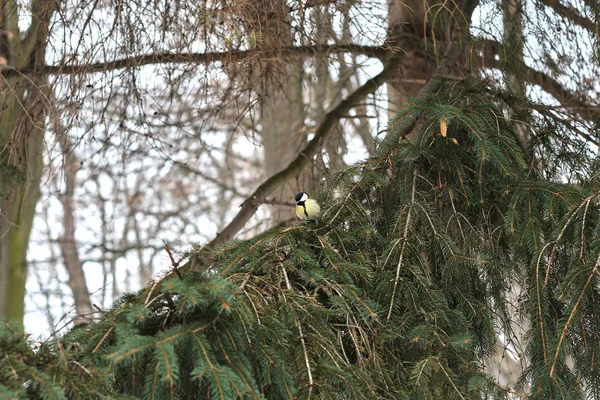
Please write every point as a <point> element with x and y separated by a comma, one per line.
<point>513,42</point>
<point>280,90</point>
<point>406,27</point>
<point>22,150</point>
<point>22,118</point>
<point>282,118</point>
<point>67,243</point>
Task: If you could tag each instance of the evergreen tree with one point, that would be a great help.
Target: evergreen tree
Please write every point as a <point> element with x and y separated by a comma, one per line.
<point>400,291</point>
<point>397,292</point>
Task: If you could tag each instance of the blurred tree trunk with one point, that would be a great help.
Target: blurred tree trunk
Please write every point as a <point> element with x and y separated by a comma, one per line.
<point>406,29</point>
<point>508,365</point>
<point>22,120</point>
<point>282,119</point>
<point>280,90</point>
<point>67,243</point>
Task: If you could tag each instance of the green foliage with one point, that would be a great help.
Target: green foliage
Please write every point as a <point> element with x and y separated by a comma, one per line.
<point>400,291</point>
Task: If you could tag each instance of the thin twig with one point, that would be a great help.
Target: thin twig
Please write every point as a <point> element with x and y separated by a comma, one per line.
<point>97,307</point>
<point>573,312</point>
<point>404,240</point>
<point>306,359</point>
<point>174,263</point>
<point>103,339</point>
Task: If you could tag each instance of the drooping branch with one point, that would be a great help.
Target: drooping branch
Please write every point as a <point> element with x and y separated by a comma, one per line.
<point>326,125</point>
<point>380,52</point>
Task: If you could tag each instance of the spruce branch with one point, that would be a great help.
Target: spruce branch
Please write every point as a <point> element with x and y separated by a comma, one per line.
<point>103,339</point>
<point>302,339</point>
<point>572,314</point>
<point>405,125</point>
<point>540,312</point>
<point>404,241</point>
<point>585,203</point>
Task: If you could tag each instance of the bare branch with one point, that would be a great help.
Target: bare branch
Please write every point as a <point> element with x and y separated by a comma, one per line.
<point>550,85</point>
<point>571,14</point>
<point>174,264</point>
<point>380,52</point>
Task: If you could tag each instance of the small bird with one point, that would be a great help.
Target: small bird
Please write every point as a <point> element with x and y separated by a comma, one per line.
<point>306,208</point>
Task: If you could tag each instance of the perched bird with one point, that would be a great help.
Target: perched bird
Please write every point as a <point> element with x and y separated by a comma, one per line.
<point>306,208</point>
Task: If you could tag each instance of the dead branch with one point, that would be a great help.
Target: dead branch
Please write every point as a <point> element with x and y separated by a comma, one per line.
<point>174,263</point>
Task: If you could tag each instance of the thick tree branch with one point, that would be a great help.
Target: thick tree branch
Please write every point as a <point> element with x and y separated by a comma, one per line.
<point>38,30</point>
<point>492,49</point>
<point>571,14</point>
<point>380,52</point>
<point>250,205</point>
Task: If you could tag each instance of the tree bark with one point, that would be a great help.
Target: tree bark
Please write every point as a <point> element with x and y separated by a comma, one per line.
<point>282,120</point>
<point>22,117</point>
<point>406,30</point>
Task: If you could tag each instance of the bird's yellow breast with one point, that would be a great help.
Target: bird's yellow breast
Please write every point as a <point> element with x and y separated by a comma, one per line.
<point>309,210</point>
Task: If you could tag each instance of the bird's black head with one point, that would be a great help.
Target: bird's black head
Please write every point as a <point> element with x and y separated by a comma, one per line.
<point>301,197</point>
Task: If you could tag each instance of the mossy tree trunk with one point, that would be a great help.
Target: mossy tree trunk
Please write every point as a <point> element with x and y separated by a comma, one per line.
<point>22,127</point>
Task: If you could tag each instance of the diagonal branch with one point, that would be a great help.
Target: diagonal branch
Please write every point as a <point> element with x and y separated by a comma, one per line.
<point>571,14</point>
<point>380,52</point>
<point>249,206</point>
<point>404,126</point>
<point>492,49</point>
<point>573,313</point>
